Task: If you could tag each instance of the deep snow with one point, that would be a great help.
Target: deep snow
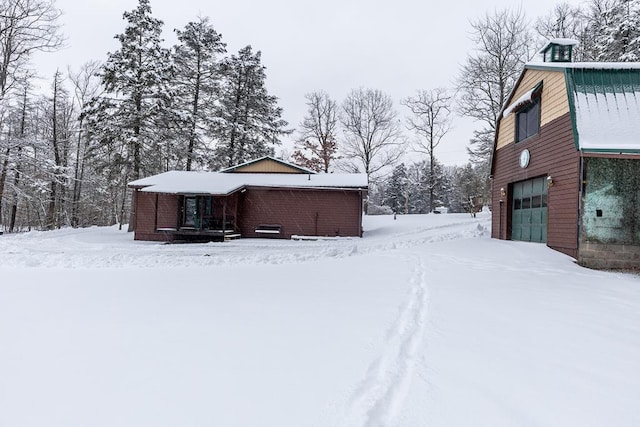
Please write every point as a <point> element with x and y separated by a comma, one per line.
<point>425,321</point>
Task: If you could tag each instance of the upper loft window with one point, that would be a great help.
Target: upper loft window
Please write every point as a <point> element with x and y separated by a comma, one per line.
<point>528,120</point>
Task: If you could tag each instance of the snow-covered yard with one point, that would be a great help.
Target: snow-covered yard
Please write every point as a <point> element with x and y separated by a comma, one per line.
<point>425,321</point>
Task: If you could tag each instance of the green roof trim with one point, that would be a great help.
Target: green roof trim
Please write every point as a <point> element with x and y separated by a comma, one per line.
<point>568,80</point>
<point>611,151</point>
<point>605,80</point>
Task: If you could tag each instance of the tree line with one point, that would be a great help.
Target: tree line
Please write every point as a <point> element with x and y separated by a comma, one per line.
<point>607,30</point>
<point>66,157</point>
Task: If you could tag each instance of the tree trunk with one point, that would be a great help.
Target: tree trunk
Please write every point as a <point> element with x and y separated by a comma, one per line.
<point>3,179</point>
<point>16,182</point>
<point>431,179</point>
<point>194,115</point>
<point>77,186</point>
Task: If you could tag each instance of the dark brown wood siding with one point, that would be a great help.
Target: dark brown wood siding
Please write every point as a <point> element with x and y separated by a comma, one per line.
<point>301,212</point>
<point>153,212</point>
<point>553,153</point>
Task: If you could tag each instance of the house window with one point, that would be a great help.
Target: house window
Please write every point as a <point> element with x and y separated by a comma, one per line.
<point>528,120</point>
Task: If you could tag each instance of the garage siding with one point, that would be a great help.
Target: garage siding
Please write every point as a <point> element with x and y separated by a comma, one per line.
<point>553,153</point>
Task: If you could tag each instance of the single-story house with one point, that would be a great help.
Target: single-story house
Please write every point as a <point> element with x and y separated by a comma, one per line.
<point>266,197</point>
<point>566,159</point>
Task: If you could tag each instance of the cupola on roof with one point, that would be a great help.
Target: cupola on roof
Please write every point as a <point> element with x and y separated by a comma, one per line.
<point>558,50</point>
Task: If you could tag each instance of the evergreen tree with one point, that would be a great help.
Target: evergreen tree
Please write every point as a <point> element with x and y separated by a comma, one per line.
<point>429,187</point>
<point>619,35</point>
<point>249,122</point>
<point>396,194</point>
<point>126,120</point>
<point>468,182</point>
<point>197,80</point>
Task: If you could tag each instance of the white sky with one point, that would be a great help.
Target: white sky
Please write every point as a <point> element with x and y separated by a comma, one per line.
<point>397,47</point>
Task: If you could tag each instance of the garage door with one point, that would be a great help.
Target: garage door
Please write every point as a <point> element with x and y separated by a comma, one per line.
<point>529,210</point>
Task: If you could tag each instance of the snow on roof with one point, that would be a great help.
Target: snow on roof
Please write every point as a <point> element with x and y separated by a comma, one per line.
<point>608,121</point>
<point>561,42</point>
<point>607,108</point>
<point>535,64</point>
<point>524,99</point>
<point>183,182</point>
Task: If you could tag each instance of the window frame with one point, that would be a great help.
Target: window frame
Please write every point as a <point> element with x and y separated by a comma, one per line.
<point>528,115</point>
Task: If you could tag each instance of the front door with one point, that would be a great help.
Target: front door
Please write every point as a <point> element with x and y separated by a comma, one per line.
<point>190,212</point>
<point>529,210</point>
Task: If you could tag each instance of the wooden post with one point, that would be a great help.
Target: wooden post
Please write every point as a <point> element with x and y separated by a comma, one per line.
<point>224,216</point>
<point>155,220</point>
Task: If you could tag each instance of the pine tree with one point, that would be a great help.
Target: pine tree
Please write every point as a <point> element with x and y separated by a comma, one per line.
<point>468,183</point>
<point>136,78</point>
<point>396,194</point>
<point>128,123</point>
<point>197,79</point>
<point>429,187</point>
<point>249,119</point>
<point>619,36</point>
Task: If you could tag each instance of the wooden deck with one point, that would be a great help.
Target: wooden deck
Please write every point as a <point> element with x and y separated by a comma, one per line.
<point>194,234</point>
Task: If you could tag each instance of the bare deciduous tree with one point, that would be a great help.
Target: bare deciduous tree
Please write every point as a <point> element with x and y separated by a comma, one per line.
<point>575,22</point>
<point>503,44</point>
<point>26,26</point>
<point>316,146</point>
<point>431,120</point>
<point>373,138</point>
<point>85,87</point>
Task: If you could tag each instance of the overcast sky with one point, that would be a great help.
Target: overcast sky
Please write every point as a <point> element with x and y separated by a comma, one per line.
<point>397,46</point>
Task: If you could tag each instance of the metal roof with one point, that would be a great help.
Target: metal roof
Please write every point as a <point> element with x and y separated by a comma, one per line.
<point>605,108</point>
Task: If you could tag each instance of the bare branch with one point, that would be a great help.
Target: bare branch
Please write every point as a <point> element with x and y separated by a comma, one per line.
<point>26,26</point>
<point>372,130</point>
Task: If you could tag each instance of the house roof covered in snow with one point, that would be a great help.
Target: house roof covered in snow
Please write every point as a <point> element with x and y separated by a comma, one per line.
<point>219,183</point>
<point>604,103</point>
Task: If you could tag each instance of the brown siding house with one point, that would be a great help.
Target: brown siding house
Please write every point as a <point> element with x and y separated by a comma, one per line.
<point>263,198</point>
<point>564,150</point>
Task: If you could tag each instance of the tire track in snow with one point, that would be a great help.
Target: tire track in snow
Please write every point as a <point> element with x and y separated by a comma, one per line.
<point>379,397</point>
